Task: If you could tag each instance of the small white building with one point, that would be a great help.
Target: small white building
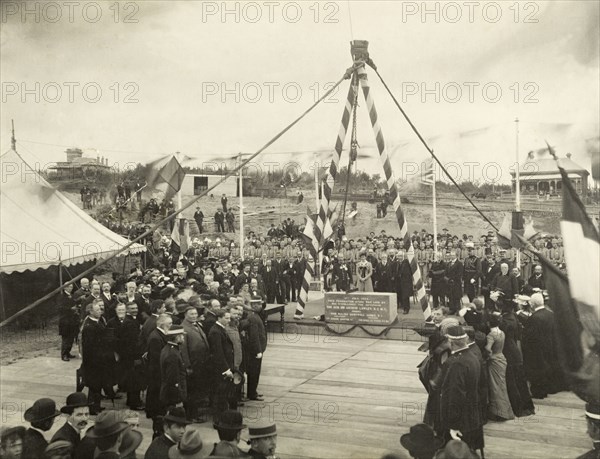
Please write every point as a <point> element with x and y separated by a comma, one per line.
<point>196,184</point>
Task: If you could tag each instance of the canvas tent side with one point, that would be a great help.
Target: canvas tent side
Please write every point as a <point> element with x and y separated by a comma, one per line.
<point>41,228</point>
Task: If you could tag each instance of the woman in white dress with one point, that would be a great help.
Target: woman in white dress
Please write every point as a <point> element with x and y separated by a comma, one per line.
<point>364,269</point>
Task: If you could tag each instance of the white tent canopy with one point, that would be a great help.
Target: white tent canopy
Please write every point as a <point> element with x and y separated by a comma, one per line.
<point>40,227</point>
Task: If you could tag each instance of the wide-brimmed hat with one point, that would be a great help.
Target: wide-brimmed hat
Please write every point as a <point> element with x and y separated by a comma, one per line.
<point>421,439</point>
<point>42,409</point>
<point>230,420</point>
<point>132,439</point>
<point>456,449</point>
<point>190,446</point>
<point>262,431</point>
<point>433,341</point>
<point>75,400</point>
<point>107,423</point>
<point>177,415</point>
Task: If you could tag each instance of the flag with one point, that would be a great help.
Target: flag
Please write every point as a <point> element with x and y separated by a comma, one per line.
<point>165,171</point>
<point>312,242</point>
<point>580,362</point>
<point>510,232</point>
<point>180,236</point>
<point>427,177</point>
<point>576,300</point>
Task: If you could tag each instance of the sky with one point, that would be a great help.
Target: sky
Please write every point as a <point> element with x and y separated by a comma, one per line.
<point>132,81</point>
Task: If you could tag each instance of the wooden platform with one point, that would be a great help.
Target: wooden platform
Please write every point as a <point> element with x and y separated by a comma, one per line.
<point>331,397</point>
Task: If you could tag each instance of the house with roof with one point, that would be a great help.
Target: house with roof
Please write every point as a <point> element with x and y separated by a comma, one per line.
<point>78,165</point>
<point>539,174</point>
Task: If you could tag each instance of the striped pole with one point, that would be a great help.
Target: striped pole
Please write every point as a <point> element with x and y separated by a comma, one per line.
<point>323,229</point>
<point>393,189</point>
<point>309,271</point>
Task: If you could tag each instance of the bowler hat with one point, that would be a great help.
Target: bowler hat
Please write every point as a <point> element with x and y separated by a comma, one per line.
<point>75,400</point>
<point>230,420</point>
<point>262,431</point>
<point>456,449</point>
<point>42,409</point>
<point>177,415</point>
<point>190,446</point>
<point>421,439</point>
<point>107,423</point>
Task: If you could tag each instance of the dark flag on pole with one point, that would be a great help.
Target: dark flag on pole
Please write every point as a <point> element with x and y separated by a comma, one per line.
<point>576,300</point>
<point>166,173</point>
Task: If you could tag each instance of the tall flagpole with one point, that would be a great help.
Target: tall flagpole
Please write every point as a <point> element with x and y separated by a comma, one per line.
<point>241,185</point>
<point>435,239</point>
<point>319,258</point>
<point>517,186</point>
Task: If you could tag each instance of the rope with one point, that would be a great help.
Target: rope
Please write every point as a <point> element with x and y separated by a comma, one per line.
<point>230,173</point>
<point>383,332</point>
<point>374,67</point>
<point>392,185</point>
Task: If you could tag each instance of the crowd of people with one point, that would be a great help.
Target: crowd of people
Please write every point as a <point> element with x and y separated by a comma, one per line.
<point>115,434</point>
<point>486,363</point>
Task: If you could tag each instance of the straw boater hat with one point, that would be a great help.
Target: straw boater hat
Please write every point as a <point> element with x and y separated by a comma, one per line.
<point>176,330</point>
<point>592,411</point>
<point>42,409</point>
<point>456,332</point>
<point>261,431</point>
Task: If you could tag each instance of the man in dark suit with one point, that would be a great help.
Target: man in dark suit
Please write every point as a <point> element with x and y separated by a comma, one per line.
<point>342,276</point>
<point>221,361</point>
<point>404,282</point>
<point>287,274</point>
<point>279,267</point>
<point>68,322</point>
<point>243,278</point>
<point>271,280</point>
<point>220,221</point>
<point>83,291</point>
<point>78,412</point>
<point>471,272</point>
<point>438,285</point>
<point>256,345</point>
<point>199,219</point>
<point>96,355</point>
<point>173,384</point>
<point>196,353</point>
<point>127,331</point>
<point>384,274</point>
<point>41,416</point>
<point>109,300</point>
<point>299,268</point>
<point>157,307</point>
<point>156,341</point>
<point>539,344</point>
<point>453,278</point>
<point>489,270</point>
<point>537,279</point>
<point>460,410</point>
<point>505,282</point>
<point>174,426</point>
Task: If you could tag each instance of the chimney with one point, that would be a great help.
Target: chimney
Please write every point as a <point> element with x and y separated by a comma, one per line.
<point>102,161</point>
<point>530,155</point>
<point>73,153</point>
<point>97,159</point>
<point>569,155</point>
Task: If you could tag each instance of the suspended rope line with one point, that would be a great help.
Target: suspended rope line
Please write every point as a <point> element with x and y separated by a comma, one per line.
<point>231,173</point>
<point>374,67</point>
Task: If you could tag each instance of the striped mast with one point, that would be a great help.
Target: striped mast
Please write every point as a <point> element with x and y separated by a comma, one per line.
<point>323,229</point>
<point>318,232</point>
<point>393,190</point>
